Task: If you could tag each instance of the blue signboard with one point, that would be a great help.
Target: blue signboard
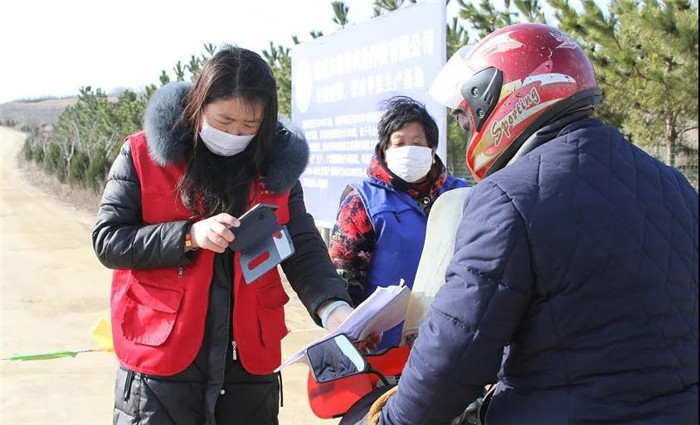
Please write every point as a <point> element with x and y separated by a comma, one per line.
<point>339,83</point>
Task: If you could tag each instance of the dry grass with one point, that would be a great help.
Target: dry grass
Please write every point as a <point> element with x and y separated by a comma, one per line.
<point>78,198</point>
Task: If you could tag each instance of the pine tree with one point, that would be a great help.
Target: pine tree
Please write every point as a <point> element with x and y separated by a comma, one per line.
<point>381,7</point>
<point>646,59</point>
<point>280,62</point>
<point>340,13</point>
<point>457,36</point>
<point>485,18</point>
<point>645,54</point>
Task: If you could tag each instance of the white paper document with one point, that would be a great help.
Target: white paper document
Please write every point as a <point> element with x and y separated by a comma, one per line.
<point>381,311</point>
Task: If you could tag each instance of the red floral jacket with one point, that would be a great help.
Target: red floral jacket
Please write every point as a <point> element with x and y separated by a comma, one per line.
<point>352,240</point>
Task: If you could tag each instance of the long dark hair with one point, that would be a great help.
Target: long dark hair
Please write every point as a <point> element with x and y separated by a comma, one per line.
<point>214,184</point>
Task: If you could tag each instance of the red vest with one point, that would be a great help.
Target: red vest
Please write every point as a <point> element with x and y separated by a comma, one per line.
<point>158,315</point>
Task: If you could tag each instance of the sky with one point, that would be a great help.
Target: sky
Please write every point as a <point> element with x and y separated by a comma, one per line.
<point>53,47</point>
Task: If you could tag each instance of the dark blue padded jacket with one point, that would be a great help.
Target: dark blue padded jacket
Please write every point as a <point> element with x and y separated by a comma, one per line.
<point>582,258</point>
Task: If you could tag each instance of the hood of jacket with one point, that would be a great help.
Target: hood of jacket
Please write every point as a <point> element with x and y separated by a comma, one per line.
<point>169,140</point>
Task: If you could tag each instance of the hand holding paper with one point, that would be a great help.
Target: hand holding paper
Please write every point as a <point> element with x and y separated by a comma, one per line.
<point>381,311</point>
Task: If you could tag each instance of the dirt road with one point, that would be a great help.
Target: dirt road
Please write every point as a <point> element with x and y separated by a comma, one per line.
<point>53,291</point>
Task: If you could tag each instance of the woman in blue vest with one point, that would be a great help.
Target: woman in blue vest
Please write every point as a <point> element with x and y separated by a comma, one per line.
<point>379,233</point>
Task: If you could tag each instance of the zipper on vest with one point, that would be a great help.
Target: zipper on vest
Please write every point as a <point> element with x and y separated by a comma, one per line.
<point>180,272</point>
<point>235,352</point>
<point>279,377</point>
<point>127,385</point>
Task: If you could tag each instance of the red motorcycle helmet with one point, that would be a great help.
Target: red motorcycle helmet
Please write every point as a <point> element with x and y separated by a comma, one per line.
<point>510,84</point>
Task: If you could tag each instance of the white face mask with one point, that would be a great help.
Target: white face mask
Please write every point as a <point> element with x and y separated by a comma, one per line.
<point>222,143</point>
<point>410,163</point>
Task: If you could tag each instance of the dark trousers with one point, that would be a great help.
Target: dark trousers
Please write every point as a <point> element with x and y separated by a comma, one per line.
<point>185,398</point>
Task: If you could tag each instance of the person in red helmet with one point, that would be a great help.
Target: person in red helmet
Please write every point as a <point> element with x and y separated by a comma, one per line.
<point>574,282</point>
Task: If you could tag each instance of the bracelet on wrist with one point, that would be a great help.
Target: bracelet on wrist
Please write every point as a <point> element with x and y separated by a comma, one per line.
<point>329,309</point>
<point>188,239</point>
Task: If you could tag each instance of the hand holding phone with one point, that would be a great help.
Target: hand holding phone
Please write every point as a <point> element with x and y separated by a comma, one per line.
<point>257,223</point>
<point>213,233</point>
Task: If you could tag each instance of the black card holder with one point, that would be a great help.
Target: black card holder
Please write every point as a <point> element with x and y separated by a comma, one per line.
<point>261,241</point>
<point>256,224</point>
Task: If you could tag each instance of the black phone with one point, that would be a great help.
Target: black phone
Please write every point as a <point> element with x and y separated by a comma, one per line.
<point>256,224</point>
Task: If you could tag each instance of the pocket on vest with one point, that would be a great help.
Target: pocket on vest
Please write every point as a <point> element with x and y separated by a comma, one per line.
<point>150,312</point>
<point>271,298</point>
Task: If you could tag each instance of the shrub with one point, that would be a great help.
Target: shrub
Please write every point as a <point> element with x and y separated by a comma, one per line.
<point>97,169</point>
<point>27,150</point>
<point>54,164</point>
<point>78,168</point>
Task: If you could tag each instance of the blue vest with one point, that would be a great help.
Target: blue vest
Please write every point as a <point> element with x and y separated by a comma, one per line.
<point>399,224</point>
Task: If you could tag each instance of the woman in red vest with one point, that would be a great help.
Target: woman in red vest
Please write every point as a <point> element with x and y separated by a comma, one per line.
<point>197,344</point>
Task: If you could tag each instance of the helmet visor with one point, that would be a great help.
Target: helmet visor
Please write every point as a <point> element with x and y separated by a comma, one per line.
<point>446,88</point>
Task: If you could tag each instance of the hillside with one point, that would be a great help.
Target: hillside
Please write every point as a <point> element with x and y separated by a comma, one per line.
<point>34,112</point>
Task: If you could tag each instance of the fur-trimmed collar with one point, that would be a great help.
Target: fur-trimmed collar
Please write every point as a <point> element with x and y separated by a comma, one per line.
<point>169,141</point>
